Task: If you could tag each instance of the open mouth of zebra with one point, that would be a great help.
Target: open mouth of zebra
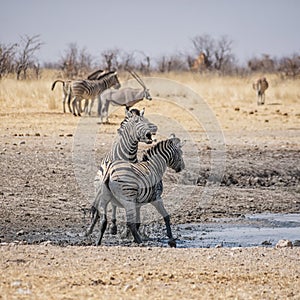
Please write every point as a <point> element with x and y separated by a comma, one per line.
<point>149,139</point>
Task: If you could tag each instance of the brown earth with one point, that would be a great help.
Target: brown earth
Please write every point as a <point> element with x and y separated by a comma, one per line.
<point>42,191</point>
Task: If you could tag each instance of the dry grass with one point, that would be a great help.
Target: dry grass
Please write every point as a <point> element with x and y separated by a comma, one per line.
<point>231,98</point>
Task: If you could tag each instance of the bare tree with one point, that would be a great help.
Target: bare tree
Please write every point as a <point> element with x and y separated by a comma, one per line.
<point>290,66</point>
<point>211,54</point>
<point>204,44</point>
<point>110,58</point>
<point>223,54</point>
<point>76,62</point>
<point>26,59</point>
<point>7,57</point>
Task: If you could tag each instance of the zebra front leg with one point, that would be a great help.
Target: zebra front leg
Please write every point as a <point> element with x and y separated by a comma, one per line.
<point>69,103</point>
<point>74,106</point>
<point>158,204</point>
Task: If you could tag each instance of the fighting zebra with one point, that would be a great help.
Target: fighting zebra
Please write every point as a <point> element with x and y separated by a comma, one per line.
<point>89,89</point>
<point>134,128</point>
<point>67,88</point>
<point>260,87</point>
<point>130,186</point>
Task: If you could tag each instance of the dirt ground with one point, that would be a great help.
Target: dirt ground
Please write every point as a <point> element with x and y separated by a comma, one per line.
<point>45,196</point>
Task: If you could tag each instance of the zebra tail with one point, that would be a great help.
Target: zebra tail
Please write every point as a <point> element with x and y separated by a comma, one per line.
<point>54,83</point>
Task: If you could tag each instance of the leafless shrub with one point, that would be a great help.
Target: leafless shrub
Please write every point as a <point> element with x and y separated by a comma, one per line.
<point>290,66</point>
<point>170,63</point>
<point>7,59</point>
<point>26,59</point>
<point>263,64</point>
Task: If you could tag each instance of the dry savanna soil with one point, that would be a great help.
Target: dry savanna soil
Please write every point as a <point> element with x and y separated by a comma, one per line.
<point>48,160</point>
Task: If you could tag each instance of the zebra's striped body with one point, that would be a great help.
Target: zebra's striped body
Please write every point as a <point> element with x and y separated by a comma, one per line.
<point>90,89</point>
<point>67,88</point>
<point>130,185</point>
<point>135,128</point>
<point>260,87</point>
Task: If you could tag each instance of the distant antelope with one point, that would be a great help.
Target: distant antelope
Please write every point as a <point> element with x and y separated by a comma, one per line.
<point>123,97</point>
<point>260,87</point>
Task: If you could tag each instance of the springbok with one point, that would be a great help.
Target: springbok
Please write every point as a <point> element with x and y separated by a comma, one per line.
<point>260,87</point>
<point>123,97</point>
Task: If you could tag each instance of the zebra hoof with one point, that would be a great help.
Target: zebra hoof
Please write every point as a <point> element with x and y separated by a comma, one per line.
<point>172,243</point>
<point>114,230</point>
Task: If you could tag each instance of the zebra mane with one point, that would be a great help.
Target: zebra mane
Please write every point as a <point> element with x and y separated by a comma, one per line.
<point>153,150</point>
<point>134,111</point>
<point>105,75</point>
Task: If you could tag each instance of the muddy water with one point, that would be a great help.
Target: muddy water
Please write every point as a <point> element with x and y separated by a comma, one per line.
<point>251,230</point>
<point>247,231</point>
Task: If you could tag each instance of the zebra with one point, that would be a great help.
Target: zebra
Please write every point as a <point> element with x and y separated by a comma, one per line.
<point>67,87</point>
<point>89,89</point>
<point>260,87</point>
<point>123,97</point>
<point>131,185</point>
<point>134,128</point>
<point>67,92</point>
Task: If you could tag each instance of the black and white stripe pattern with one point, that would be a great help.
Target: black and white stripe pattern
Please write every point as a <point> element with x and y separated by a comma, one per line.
<point>260,87</point>
<point>134,128</point>
<point>89,89</point>
<point>130,185</point>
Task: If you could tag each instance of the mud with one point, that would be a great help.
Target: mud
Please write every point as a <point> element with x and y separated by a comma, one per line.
<point>42,200</point>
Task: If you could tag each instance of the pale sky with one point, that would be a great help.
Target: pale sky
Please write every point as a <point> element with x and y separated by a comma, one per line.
<point>156,27</point>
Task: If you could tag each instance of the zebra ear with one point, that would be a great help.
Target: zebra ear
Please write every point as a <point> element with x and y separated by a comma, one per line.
<point>142,112</point>
<point>128,113</point>
<point>172,136</point>
<point>182,143</point>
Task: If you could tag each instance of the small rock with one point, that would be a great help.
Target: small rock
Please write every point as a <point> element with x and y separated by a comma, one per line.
<point>297,243</point>
<point>21,232</point>
<point>284,244</point>
<point>24,291</point>
<point>22,143</point>
<point>127,287</point>
<point>16,283</point>
<point>37,134</point>
<point>266,243</point>
<point>237,109</point>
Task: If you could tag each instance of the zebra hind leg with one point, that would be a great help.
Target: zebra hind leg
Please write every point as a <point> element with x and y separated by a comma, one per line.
<point>95,218</point>
<point>132,216</point>
<point>133,229</point>
<point>114,228</point>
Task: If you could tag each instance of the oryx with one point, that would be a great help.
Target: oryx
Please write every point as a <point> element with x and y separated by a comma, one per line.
<point>123,97</point>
